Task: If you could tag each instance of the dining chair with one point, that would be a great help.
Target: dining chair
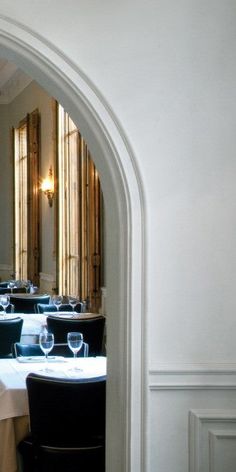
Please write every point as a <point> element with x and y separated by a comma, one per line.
<point>26,304</point>
<point>10,332</point>
<point>62,349</point>
<point>4,284</point>
<point>7,290</point>
<point>4,290</point>
<point>50,307</point>
<point>67,424</point>
<point>19,290</point>
<point>92,330</point>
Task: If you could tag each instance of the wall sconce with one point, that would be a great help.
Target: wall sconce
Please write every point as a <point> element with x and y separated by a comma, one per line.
<point>47,187</point>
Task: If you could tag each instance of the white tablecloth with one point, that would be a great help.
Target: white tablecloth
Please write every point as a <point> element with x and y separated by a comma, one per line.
<point>14,402</point>
<point>13,395</point>
<point>33,323</point>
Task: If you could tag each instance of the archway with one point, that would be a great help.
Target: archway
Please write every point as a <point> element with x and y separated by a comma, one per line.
<point>125,227</point>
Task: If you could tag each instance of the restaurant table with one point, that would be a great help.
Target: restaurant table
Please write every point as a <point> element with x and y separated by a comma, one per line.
<point>14,419</point>
<point>34,322</point>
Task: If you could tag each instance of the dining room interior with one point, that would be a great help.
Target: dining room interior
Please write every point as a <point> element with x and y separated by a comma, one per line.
<point>53,236</point>
<point>51,262</point>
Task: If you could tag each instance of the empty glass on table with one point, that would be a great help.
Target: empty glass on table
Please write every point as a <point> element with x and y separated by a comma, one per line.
<point>73,301</point>
<point>46,342</point>
<point>75,342</point>
<point>57,301</point>
<point>4,301</point>
<point>11,285</point>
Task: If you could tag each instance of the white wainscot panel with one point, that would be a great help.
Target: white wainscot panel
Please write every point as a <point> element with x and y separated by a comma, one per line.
<point>193,408</point>
<point>222,450</point>
<point>212,444</point>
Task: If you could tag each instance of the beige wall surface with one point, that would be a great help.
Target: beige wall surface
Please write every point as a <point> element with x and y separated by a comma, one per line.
<point>32,97</point>
<point>6,192</point>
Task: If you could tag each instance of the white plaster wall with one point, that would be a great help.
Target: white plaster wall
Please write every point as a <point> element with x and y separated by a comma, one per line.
<point>193,231</point>
<point>167,70</point>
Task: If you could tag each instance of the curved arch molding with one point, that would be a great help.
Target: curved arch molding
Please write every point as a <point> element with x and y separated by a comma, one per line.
<point>126,386</point>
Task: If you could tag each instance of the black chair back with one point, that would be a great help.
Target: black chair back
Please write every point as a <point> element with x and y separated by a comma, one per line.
<point>66,412</point>
<point>44,308</point>
<point>7,290</point>
<point>62,349</point>
<point>67,423</point>
<point>19,290</point>
<point>92,330</point>
<point>4,284</point>
<point>4,290</point>
<point>10,332</point>
<point>27,304</point>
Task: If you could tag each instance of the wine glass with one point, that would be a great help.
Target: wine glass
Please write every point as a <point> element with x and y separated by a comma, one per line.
<point>57,301</point>
<point>73,300</point>
<point>46,342</point>
<point>75,342</point>
<point>11,285</point>
<point>4,302</point>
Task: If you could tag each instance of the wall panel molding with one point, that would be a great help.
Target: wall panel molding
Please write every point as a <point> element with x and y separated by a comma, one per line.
<point>193,376</point>
<point>222,450</point>
<point>212,440</point>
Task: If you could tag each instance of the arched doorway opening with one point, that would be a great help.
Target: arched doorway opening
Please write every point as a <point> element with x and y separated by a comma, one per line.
<point>126,386</point>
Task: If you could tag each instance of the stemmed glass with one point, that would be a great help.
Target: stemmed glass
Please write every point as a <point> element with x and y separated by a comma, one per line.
<point>57,301</point>
<point>4,301</point>
<point>11,285</point>
<point>75,342</point>
<point>46,342</point>
<point>73,301</point>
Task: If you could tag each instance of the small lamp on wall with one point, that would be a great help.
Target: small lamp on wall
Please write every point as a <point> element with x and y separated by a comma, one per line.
<point>47,187</point>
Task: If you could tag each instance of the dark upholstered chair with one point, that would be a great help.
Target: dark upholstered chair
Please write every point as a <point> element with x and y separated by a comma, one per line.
<point>45,308</point>
<point>92,330</point>
<point>67,423</point>
<point>19,290</point>
<point>10,332</point>
<point>62,349</point>
<point>27,304</point>
<point>4,290</point>
<point>13,290</point>
<point>4,284</point>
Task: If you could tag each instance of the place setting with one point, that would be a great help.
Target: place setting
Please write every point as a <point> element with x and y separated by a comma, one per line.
<point>65,308</point>
<point>56,365</point>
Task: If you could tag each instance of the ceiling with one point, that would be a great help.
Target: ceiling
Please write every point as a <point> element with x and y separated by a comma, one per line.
<point>12,81</point>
